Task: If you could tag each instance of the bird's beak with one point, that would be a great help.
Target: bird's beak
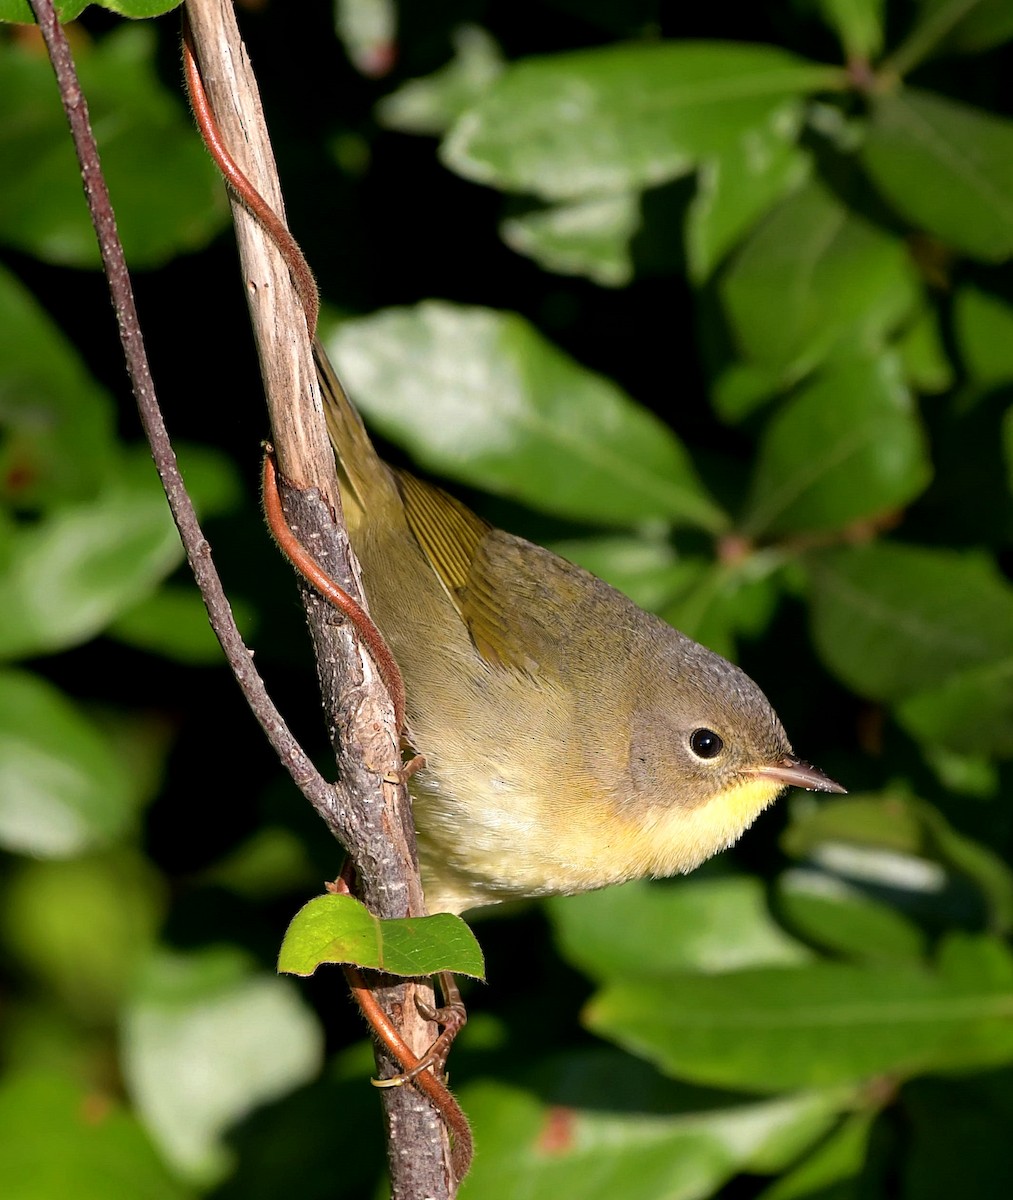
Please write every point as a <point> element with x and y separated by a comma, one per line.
<point>796,773</point>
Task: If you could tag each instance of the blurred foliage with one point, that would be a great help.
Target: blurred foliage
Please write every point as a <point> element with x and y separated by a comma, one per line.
<point>717,302</point>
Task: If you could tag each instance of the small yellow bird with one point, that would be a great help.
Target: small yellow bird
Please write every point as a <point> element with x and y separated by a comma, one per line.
<point>571,740</point>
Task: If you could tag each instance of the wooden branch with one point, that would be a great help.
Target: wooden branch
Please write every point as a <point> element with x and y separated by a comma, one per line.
<point>370,815</point>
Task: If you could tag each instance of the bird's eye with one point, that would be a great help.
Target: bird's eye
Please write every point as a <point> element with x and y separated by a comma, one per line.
<point>705,743</point>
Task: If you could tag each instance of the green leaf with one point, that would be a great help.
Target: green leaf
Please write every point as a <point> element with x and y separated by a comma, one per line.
<point>895,840</point>
<point>983,324</point>
<point>857,23</point>
<point>481,397</point>
<point>971,712</point>
<point>589,236</point>
<point>649,571</point>
<point>20,11</point>
<point>725,601</point>
<point>63,789</point>
<point>839,281</point>
<point>69,575</point>
<point>968,26</point>
<point>648,929</point>
<point>206,1041</point>
<point>174,622</point>
<point>892,620</point>
<point>625,116</point>
<point>847,447</point>
<point>947,168</point>
<point>738,186</point>
<point>924,356</point>
<point>432,104</point>
<point>58,425</point>
<point>167,195</point>
<point>82,928</point>
<point>340,929</point>
<point>588,1128</point>
<point>843,920</point>
<point>818,1025</point>
<point>838,1160</point>
<point>58,1138</point>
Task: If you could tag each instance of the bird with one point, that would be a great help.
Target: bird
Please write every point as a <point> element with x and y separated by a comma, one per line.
<point>571,740</point>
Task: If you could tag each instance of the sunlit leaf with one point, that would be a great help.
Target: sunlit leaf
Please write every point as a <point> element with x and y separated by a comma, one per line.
<point>206,1040</point>
<point>649,929</point>
<point>735,188</point>
<point>480,396</point>
<point>581,237</point>
<point>625,116</point>
<point>63,789</point>
<point>70,574</point>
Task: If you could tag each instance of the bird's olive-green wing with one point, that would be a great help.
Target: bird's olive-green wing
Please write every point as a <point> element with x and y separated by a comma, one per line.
<point>500,594</point>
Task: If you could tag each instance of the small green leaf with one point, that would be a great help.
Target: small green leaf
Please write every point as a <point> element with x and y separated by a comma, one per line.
<point>842,919</point>
<point>836,1161</point>
<point>63,789</point>
<point>590,236</point>
<point>340,929</point>
<point>947,168</point>
<point>58,1138</point>
<point>983,324</point>
<point>839,281</point>
<point>174,622</point>
<point>167,194</point>
<point>893,620</point>
<point>737,187</point>
<point>847,447</point>
<point>58,425</point>
<point>82,928</point>
<point>625,116</point>
<point>857,23</point>
<point>969,26</point>
<point>725,601</point>
<point>971,712</point>
<point>481,397</point>
<point>817,1025</point>
<point>649,929</point>
<point>923,354</point>
<point>649,571</point>
<point>70,574</point>
<point>207,1040</point>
